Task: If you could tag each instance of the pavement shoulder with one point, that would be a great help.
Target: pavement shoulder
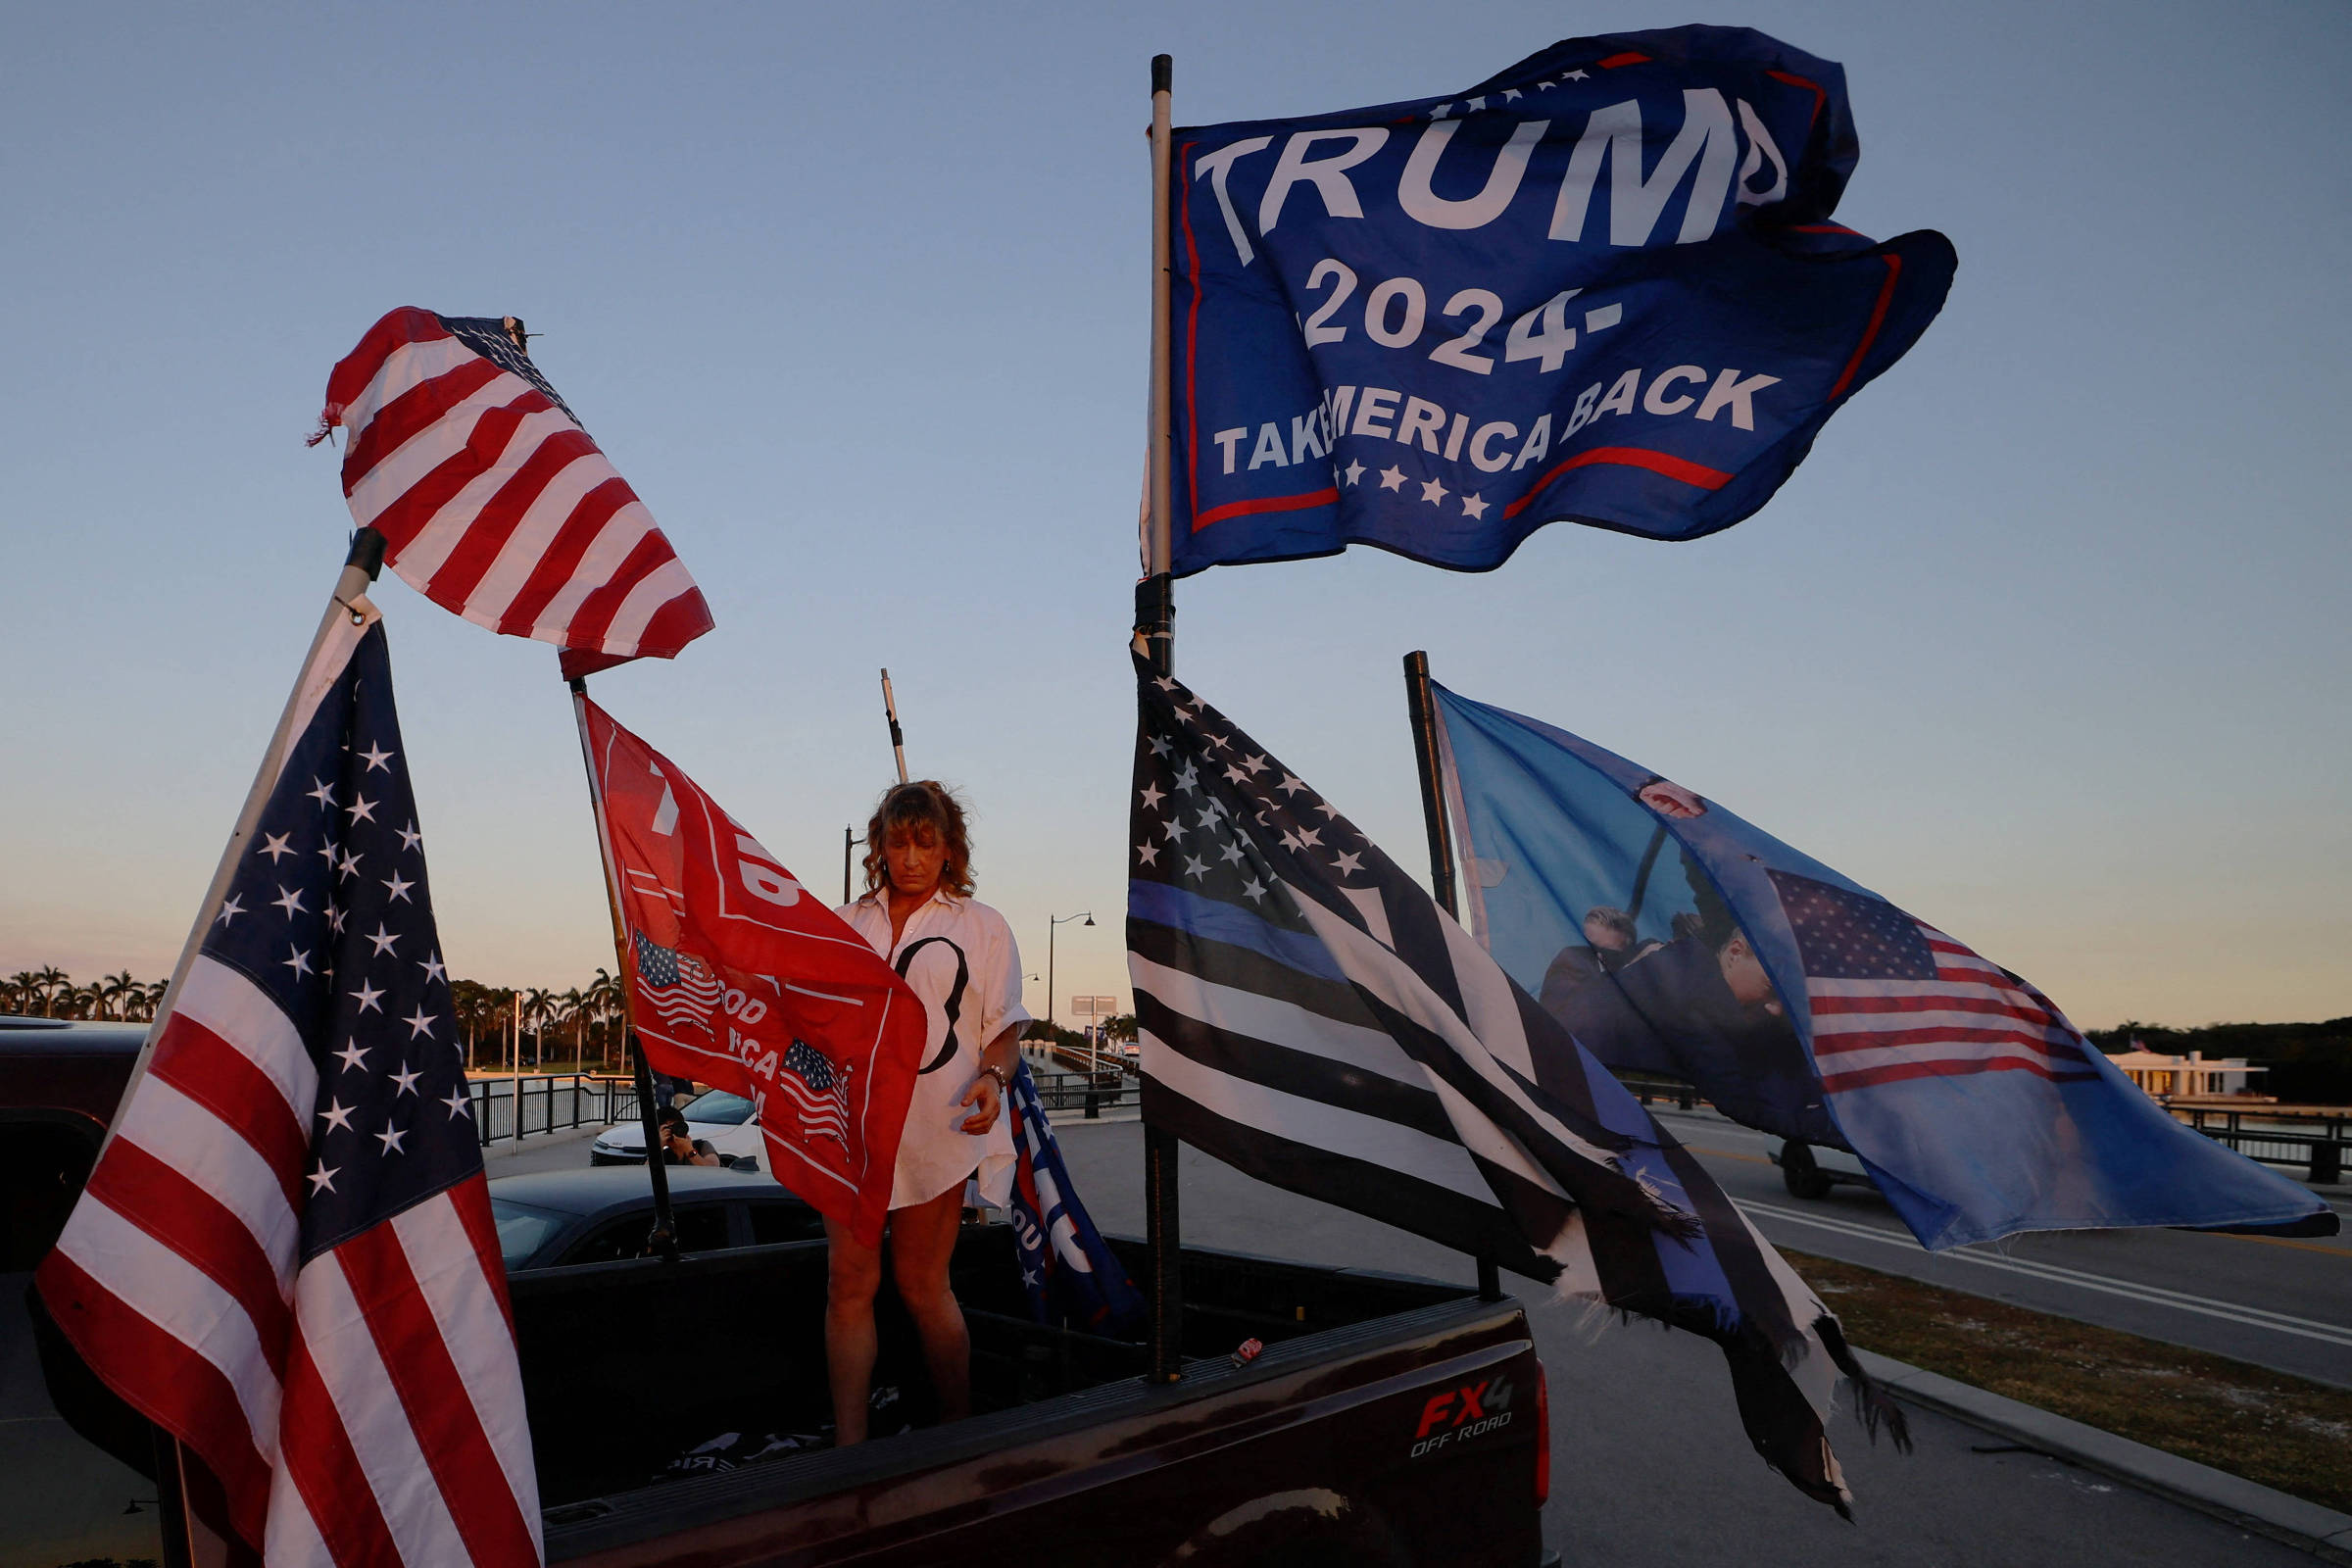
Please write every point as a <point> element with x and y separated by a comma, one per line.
<point>2261,1510</point>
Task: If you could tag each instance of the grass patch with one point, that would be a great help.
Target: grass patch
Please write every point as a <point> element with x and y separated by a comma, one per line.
<point>2283,1432</point>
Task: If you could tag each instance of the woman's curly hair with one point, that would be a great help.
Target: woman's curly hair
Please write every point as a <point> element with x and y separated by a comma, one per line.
<point>925,804</point>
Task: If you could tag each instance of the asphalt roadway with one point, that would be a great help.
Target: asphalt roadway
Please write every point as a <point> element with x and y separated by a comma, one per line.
<point>2280,1302</point>
<point>1649,1466</point>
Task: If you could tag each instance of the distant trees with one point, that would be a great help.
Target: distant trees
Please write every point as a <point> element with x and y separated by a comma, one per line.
<point>588,1017</point>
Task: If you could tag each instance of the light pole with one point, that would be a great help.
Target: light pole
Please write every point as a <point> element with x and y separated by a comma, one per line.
<point>1054,923</point>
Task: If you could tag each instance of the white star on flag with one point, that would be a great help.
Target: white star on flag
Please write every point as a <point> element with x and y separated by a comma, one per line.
<point>1391,478</point>
<point>1434,491</point>
<point>1473,507</point>
<point>367,997</point>
<point>419,1022</point>
<point>376,756</point>
<point>351,1056</point>
<point>276,849</point>
<point>338,1114</point>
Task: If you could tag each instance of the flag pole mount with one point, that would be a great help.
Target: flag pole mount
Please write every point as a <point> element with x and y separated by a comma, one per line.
<point>1155,641</point>
<point>1421,707</point>
<point>664,1238</point>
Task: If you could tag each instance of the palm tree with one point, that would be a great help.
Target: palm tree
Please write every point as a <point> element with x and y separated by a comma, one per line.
<point>115,993</point>
<point>538,1006</point>
<point>604,996</point>
<point>23,989</point>
<point>54,983</point>
<point>157,990</point>
<point>574,1006</point>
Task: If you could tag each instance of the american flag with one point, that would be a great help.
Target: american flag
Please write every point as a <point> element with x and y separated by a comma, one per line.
<point>679,986</point>
<point>818,1091</point>
<point>1894,999</point>
<point>492,502</point>
<point>286,1256</point>
<point>1310,1017</point>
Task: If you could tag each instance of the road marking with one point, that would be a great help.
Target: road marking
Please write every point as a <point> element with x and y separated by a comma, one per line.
<point>2052,1273</point>
<point>2273,1241</point>
<point>2266,1241</point>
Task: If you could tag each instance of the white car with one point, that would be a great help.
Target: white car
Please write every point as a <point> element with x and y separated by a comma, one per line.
<point>726,1120</point>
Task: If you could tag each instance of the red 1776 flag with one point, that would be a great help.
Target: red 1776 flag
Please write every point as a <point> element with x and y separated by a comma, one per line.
<point>285,1258</point>
<point>492,502</point>
<point>749,983</point>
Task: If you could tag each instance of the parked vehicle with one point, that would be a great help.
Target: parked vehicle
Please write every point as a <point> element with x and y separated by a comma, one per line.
<point>558,1217</point>
<point>1386,1420</point>
<point>727,1120</point>
<point>1809,1171</point>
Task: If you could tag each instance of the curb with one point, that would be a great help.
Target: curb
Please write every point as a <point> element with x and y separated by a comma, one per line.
<point>534,1142</point>
<point>2251,1506</point>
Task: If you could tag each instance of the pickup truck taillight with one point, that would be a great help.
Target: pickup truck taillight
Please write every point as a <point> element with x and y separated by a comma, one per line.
<point>1543,1437</point>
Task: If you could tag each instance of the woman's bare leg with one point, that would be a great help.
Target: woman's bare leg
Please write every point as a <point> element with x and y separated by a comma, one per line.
<point>923,1239</point>
<point>853,1273</point>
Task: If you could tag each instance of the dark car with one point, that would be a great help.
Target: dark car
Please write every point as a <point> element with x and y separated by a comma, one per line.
<point>560,1218</point>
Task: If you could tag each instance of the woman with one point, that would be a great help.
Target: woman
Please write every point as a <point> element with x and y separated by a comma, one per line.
<point>959,957</point>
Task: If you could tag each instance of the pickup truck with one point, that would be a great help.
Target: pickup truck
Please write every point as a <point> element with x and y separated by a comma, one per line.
<point>1386,1420</point>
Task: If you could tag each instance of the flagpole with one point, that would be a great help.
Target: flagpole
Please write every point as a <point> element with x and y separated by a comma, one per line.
<point>360,564</point>
<point>664,1238</point>
<point>1421,707</point>
<point>1156,640</point>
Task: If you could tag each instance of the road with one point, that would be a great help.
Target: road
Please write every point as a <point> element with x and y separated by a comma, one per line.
<point>1649,1466</point>
<point>2284,1304</point>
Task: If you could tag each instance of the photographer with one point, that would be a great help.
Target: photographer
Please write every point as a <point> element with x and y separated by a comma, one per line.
<point>679,1149</point>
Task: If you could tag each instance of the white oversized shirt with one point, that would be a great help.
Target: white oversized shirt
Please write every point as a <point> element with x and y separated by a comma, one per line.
<point>958,955</point>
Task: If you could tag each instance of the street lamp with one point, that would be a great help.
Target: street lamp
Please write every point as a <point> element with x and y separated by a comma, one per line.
<point>1053,922</point>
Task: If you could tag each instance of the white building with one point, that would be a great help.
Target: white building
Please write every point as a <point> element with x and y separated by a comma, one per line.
<point>2190,1077</point>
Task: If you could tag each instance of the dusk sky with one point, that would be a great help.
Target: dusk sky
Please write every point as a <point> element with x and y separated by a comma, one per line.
<point>2048,641</point>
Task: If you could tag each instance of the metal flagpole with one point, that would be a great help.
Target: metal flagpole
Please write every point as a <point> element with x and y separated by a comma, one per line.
<point>1156,640</point>
<point>360,564</point>
<point>664,1238</point>
<point>898,737</point>
<point>1422,709</point>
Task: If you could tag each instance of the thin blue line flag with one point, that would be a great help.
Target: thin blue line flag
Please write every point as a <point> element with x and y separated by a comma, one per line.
<point>1672,936</point>
<point>1604,286</point>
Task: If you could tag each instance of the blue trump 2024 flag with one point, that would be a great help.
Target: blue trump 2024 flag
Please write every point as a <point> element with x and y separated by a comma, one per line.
<point>1670,935</point>
<point>1601,287</point>
<point>1072,1275</point>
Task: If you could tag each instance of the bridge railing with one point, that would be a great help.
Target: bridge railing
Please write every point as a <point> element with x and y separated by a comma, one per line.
<point>539,1103</point>
<point>2318,1145</point>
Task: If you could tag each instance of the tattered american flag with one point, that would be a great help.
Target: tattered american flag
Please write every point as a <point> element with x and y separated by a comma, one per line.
<point>286,1256</point>
<point>1896,999</point>
<point>492,500</point>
